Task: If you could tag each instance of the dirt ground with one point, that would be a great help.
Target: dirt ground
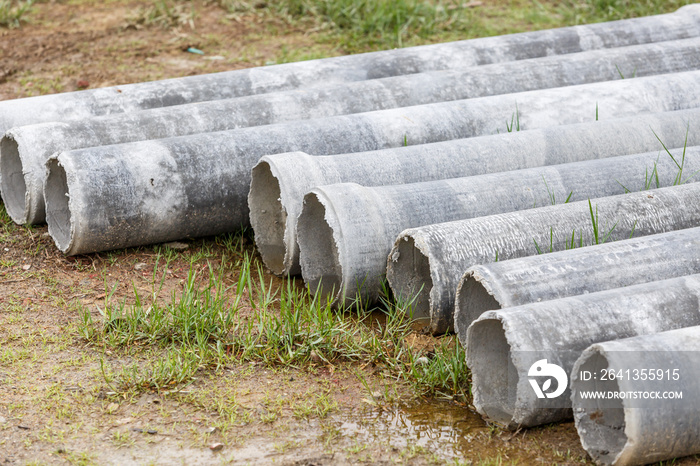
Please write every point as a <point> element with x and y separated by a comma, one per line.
<point>56,404</point>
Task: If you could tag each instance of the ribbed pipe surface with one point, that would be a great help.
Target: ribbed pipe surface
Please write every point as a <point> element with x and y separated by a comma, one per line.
<point>280,181</point>
<point>504,345</point>
<point>365,221</point>
<point>35,143</point>
<point>197,185</point>
<point>682,24</point>
<point>636,429</point>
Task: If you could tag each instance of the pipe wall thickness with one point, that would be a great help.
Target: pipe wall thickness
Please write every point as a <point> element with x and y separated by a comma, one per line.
<point>682,24</point>
<point>628,431</point>
<point>427,263</point>
<point>536,278</point>
<point>33,144</point>
<point>346,231</point>
<point>280,181</point>
<point>504,345</point>
<point>197,185</point>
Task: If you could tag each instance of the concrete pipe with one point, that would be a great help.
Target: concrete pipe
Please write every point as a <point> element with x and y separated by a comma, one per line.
<point>427,263</point>
<point>568,273</point>
<point>30,146</point>
<point>509,351</point>
<point>204,161</point>
<point>346,230</point>
<point>644,421</point>
<point>280,181</point>
<point>682,24</point>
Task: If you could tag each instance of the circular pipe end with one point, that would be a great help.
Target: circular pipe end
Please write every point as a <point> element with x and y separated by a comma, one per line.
<point>408,273</point>
<point>269,219</point>
<point>472,300</point>
<point>12,181</point>
<point>58,214</point>
<point>494,376</point>
<point>600,423</point>
<point>319,254</point>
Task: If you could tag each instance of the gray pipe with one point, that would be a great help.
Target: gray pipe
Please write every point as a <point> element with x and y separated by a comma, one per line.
<point>346,231</point>
<point>280,181</point>
<point>682,24</point>
<point>207,175</point>
<point>568,273</point>
<point>30,146</point>
<point>502,346</point>
<point>637,430</point>
<point>428,263</point>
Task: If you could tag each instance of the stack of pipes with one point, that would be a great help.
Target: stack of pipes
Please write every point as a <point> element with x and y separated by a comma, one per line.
<point>470,175</point>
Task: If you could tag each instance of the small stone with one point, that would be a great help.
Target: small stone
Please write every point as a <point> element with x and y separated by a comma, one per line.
<point>140,266</point>
<point>211,430</point>
<point>216,446</point>
<point>315,358</point>
<point>178,246</point>
<point>26,266</point>
<point>152,431</point>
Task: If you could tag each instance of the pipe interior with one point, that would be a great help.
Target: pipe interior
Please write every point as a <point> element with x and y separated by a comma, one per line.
<point>601,423</point>
<point>56,195</point>
<point>318,252</point>
<point>472,301</point>
<point>14,188</point>
<point>494,375</point>
<point>268,217</point>
<point>410,278</point>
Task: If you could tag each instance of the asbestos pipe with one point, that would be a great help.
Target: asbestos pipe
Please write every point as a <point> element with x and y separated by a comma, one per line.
<point>428,263</point>
<point>197,185</point>
<point>346,231</point>
<point>636,430</point>
<point>537,278</point>
<point>280,181</point>
<point>504,345</point>
<point>683,23</point>
<point>27,148</point>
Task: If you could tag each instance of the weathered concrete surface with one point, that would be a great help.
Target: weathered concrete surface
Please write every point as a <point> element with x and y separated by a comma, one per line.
<point>361,223</point>
<point>568,273</point>
<point>682,24</point>
<point>208,175</point>
<point>280,181</point>
<point>429,261</point>
<point>635,430</point>
<point>503,345</point>
<point>33,144</point>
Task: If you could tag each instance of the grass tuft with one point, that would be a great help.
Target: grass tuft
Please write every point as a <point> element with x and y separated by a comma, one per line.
<point>12,12</point>
<point>204,327</point>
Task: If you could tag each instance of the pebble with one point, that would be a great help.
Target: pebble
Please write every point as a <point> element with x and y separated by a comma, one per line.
<point>216,446</point>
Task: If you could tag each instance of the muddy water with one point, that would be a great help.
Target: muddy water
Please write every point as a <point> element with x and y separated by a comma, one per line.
<point>433,425</point>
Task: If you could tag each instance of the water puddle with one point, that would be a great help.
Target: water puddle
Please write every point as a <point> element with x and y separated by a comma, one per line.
<point>434,425</point>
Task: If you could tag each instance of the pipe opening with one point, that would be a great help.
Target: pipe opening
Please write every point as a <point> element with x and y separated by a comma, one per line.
<point>14,187</point>
<point>57,197</point>
<point>495,378</point>
<point>318,251</point>
<point>409,276</point>
<point>600,423</point>
<point>472,300</point>
<point>268,218</point>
